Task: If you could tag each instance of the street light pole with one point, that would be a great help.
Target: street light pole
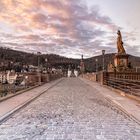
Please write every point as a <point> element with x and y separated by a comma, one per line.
<point>26,80</point>
<point>39,73</point>
<point>103,54</point>
<point>46,60</point>
<point>96,60</point>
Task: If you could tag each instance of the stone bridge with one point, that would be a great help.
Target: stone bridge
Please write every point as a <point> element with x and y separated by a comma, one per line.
<point>69,109</point>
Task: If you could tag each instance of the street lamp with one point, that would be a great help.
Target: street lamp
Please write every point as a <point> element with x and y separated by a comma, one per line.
<point>103,54</point>
<point>46,60</point>
<point>82,65</point>
<point>26,80</point>
<point>39,73</point>
<point>96,60</point>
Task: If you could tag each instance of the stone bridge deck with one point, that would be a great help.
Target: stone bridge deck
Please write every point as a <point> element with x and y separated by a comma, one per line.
<point>71,110</point>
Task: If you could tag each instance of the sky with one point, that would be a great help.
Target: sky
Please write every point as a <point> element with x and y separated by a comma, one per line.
<point>70,27</point>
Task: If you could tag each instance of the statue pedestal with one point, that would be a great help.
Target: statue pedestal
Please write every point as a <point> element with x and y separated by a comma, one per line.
<point>121,60</point>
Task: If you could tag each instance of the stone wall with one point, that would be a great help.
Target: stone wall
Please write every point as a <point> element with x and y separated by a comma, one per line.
<point>127,82</point>
<point>33,78</point>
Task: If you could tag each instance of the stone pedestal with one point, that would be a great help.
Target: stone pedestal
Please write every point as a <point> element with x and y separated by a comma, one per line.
<point>121,61</point>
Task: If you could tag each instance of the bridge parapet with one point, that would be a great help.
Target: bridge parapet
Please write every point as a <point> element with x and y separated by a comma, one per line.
<point>127,82</point>
<point>33,78</point>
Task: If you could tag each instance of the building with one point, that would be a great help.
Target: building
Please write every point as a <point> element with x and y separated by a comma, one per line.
<point>11,77</point>
<point>3,77</point>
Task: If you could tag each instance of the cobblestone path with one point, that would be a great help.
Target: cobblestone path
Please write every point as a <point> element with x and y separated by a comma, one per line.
<point>72,110</point>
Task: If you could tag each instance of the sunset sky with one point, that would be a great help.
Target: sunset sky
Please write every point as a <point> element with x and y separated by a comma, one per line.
<point>70,27</point>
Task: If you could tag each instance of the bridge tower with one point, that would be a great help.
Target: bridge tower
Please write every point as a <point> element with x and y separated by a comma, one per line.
<point>82,65</point>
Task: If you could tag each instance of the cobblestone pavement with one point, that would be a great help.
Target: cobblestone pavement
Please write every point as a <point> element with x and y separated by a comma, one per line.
<point>72,110</point>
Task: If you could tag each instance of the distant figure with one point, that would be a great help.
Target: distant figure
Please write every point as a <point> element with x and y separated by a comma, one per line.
<point>69,73</point>
<point>76,73</point>
<point>120,47</point>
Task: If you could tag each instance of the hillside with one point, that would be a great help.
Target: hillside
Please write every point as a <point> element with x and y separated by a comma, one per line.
<point>18,58</point>
<point>23,58</point>
<point>91,62</point>
<point>9,55</point>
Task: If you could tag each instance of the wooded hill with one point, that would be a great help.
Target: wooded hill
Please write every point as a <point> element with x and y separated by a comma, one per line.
<point>9,55</point>
<point>109,58</point>
<point>23,58</point>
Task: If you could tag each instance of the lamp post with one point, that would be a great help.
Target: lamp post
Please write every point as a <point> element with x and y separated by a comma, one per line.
<point>39,73</point>
<point>26,80</point>
<point>103,54</point>
<point>82,66</point>
<point>46,60</point>
<point>47,74</point>
<point>96,60</point>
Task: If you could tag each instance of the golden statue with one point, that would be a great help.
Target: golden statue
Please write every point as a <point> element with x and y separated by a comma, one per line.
<point>120,47</point>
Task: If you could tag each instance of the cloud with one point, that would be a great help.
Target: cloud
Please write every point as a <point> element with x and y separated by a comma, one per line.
<point>55,26</point>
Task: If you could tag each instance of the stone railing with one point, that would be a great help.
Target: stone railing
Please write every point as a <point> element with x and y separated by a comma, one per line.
<point>31,80</point>
<point>129,76</point>
<point>90,76</point>
<point>127,82</point>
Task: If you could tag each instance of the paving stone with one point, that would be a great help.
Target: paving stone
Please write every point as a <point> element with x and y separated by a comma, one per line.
<point>72,110</point>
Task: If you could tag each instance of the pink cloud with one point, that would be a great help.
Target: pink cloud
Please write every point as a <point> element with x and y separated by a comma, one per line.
<point>66,23</point>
